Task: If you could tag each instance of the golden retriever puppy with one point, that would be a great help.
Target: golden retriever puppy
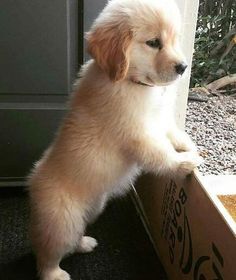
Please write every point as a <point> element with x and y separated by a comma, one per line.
<point>119,123</point>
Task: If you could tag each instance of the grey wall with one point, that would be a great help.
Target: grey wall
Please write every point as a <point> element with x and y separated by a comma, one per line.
<point>39,61</point>
<point>36,46</point>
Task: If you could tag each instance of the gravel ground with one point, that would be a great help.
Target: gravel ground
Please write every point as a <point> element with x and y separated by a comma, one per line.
<point>212,126</point>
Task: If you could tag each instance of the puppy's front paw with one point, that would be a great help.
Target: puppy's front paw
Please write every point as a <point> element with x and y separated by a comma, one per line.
<point>87,244</point>
<point>186,147</point>
<point>182,142</point>
<point>187,162</point>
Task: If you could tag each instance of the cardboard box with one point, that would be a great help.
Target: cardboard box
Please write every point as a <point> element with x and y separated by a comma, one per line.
<point>194,235</point>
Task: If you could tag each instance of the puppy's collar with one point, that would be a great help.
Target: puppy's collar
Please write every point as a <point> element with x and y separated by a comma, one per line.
<point>141,83</point>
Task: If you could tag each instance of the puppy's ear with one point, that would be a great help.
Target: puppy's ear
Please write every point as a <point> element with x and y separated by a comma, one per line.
<point>108,45</point>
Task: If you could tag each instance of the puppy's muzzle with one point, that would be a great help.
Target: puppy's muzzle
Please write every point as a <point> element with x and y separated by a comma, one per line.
<point>180,68</point>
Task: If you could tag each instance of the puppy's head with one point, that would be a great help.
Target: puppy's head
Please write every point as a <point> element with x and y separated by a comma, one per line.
<point>138,40</point>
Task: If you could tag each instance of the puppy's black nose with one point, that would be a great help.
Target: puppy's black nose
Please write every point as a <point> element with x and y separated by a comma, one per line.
<point>180,68</point>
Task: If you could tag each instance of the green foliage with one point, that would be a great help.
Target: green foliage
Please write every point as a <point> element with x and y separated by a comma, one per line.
<point>213,35</point>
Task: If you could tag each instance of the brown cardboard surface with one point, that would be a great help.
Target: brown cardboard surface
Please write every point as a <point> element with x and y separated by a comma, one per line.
<point>190,234</point>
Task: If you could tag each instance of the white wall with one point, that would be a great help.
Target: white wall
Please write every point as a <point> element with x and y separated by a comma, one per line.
<point>189,10</point>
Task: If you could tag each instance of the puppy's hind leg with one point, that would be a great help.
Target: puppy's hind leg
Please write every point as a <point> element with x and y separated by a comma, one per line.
<point>55,230</point>
<point>97,207</point>
<point>87,243</point>
<point>53,271</point>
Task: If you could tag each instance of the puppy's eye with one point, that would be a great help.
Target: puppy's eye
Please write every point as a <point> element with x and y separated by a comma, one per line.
<point>155,43</point>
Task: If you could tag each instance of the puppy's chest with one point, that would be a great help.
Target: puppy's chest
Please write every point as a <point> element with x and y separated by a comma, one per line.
<point>158,114</point>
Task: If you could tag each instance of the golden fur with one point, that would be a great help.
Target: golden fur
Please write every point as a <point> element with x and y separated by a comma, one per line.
<point>115,128</point>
